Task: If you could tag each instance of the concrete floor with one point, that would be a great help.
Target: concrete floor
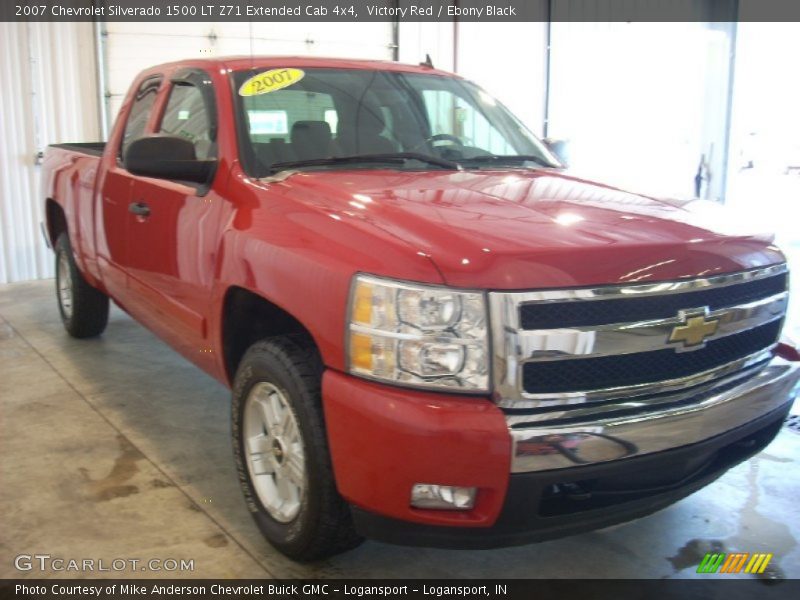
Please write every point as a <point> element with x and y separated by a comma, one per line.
<point>119,448</point>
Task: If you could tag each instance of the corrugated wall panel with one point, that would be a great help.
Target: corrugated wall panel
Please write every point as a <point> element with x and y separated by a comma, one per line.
<point>16,156</point>
<point>50,96</point>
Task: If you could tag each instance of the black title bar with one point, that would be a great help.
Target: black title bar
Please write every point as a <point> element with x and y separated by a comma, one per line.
<point>400,10</point>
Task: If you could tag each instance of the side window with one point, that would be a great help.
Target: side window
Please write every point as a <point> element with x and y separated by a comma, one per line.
<point>186,115</point>
<point>140,112</point>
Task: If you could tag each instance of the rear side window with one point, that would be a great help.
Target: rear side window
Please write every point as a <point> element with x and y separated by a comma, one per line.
<point>140,112</point>
<point>186,115</point>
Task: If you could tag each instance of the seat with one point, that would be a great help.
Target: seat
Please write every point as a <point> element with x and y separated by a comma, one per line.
<point>281,151</point>
<point>311,139</point>
<point>274,151</point>
<point>363,136</point>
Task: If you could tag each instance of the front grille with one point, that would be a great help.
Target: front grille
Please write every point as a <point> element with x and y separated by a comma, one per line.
<point>590,348</point>
<point>587,313</point>
<point>663,400</point>
<point>583,374</point>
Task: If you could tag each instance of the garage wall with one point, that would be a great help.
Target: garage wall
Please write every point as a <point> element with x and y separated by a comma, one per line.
<point>48,96</point>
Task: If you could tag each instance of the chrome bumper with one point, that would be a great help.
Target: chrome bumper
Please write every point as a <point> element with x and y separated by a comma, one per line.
<point>601,440</point>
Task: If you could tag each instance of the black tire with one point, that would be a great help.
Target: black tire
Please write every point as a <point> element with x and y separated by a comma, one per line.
<point>323,526</point>
<point>88,315</point>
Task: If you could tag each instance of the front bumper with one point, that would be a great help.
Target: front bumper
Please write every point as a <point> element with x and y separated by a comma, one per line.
<point>682,423</point>
<point>552,504</point>
<point>384,439</point>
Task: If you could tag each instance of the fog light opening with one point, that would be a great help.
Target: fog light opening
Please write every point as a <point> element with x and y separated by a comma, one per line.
<point>443,497</point>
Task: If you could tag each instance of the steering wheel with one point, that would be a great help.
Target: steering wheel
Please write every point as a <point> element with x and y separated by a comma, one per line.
<point>439,137</point>
<point>445,137</point>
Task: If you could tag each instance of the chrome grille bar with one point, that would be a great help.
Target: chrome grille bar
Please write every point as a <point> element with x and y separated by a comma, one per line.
<point>669,396</point>
<point>648,289</point>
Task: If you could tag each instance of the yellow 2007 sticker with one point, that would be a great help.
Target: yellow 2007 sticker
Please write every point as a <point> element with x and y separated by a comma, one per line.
<point>270,81</point>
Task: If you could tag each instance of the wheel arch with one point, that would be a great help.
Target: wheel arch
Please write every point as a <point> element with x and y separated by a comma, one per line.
<point>248,317</point>
<point>55,220</point>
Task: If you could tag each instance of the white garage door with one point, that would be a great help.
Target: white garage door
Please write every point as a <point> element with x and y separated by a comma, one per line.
<point>643,103</point>
<point>131,47</point>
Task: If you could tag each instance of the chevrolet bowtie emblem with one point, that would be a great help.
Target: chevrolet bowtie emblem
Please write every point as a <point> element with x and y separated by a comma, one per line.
<point>695,328</point>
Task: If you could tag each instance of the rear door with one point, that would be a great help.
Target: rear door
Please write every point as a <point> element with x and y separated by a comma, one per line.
<point>171,249</point>
<point>115,191</point>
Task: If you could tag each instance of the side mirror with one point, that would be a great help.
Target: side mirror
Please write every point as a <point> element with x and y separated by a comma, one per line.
<point>166,157</point>
<point>560,148</point>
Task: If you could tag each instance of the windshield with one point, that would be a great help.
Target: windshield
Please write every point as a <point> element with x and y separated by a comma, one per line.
<point>337,113</point>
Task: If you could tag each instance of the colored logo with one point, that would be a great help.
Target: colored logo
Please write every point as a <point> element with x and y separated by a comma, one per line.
<point>694,329</point>
<point>270,81</point>
<point>737,562</point>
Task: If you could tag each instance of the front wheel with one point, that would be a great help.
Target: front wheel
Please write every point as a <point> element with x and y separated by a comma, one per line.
<point>83,309</point>
<point>282,453</point>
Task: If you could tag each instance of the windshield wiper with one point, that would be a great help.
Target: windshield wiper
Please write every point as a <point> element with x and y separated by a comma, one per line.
<point>510,159</point>
<point>387,158</point>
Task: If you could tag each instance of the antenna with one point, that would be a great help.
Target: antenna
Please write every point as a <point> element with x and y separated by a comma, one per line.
<point>428,62</point>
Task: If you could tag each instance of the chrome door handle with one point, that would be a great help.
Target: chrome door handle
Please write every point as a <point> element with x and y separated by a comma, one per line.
<point>139,209</point>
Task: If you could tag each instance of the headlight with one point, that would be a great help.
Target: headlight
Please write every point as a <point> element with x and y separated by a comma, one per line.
<point>418,335</point>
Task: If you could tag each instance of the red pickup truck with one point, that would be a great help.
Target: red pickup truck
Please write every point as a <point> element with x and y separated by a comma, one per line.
<point>433,333</point>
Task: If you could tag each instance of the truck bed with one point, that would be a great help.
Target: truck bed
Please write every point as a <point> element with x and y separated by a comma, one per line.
<point>90,148</point>
<point>69,172</point>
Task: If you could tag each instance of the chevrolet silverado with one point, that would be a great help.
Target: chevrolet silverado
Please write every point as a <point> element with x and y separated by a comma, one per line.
<point>434,333</point>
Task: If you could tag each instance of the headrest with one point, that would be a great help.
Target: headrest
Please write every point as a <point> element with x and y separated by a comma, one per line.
<point>318,131</point>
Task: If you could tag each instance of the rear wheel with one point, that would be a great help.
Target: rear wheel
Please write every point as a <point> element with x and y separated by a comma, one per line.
<point>282,452</point>
<point>84,309</point>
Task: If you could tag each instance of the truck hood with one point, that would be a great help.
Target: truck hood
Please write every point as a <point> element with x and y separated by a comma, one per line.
<point>522,229</point>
